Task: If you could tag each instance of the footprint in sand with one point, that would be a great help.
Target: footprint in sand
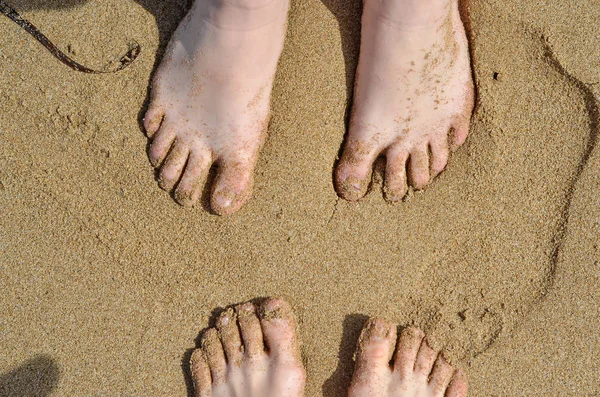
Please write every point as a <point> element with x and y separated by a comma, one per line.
<point>510,263</point>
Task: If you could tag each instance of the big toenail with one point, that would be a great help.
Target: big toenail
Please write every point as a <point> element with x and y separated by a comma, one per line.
<point>224,198</point>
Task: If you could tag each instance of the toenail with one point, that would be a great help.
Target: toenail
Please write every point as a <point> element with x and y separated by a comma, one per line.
<point>378,329</point>
<point>224,198</point>
<point>245,310</point>
<point>224,320</point>
<point>272,310</point>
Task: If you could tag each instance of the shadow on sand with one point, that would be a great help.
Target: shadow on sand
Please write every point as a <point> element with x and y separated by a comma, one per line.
<point>37,377</point>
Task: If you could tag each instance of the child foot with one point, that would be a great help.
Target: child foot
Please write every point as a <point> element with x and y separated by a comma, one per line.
<point>416,371</point>
<point>253,353</point>
<point>414,96</point>
<point>211,96</point>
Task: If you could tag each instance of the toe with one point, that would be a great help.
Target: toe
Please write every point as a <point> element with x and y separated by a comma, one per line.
<point>250,329</point>
<point>215,357</point>
<point>419,167</point>
<point>458,387</point>
<point>230,337</point>
<point>233,186</point>
<point>425,359</point>
<point>196,171</point>
<point>409,343</point>
<point>153,119</point>
<point>395,176</point>
<point>172,168</point>
<point>353,173</point>
<point>200,374</point>
<point>440,376</point>
<point>376,345</point>
<point>161,144</point>
<point>439,157</point>
<point>459,132</point>
<point>279,328</point>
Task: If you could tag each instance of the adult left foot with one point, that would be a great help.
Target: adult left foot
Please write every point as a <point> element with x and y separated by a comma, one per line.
<point>417,370</point>
<point>252,352</point>
<point>414,96</point>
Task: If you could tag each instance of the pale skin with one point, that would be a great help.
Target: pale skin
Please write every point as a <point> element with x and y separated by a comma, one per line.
<point>211,95</point>
<point>254,351</point>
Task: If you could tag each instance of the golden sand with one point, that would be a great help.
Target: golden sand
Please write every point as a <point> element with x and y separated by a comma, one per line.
<point>105,281</point>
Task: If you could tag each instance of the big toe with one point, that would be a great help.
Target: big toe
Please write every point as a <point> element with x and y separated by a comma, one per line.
<point>233,186</point>
<point>375,349</point>
<point>280,330</point>
<point>353,173</point>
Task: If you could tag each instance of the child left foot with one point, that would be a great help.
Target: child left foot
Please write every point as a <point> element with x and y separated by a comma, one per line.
<point>413,99</point>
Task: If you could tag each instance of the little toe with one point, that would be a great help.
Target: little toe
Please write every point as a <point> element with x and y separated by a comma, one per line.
<point>418,167</point>
<point>440,376</point>
<point>233,186</point>
<point>425,360</point>
<point>200,374</point>
<point>215,357</point>
<point>353,173</point>
<point>250,330</point>
<point>459,132</point>
<point>409,343</point>
<point>458,386</point>
<point>439,157</point>
<point>173,166</point>
<point>230,337</point>
<point>395,176</point>
<point>279,328</point>
<point>161,144</point>
<point>196,171</point>
<point>153,119</point>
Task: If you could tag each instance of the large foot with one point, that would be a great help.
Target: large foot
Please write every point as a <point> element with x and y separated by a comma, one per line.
<point>416,371</point>
<point>252,353</point>
<point>414,96</point>
<point>211,98</point>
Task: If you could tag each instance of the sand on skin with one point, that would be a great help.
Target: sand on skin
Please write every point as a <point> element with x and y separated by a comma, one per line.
<point>106,281</point>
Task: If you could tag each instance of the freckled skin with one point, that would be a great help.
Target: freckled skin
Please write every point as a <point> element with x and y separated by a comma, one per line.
<point>210,99</point>
<point>413,99</point>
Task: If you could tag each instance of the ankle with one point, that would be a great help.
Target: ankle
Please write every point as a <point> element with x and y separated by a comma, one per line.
<point>412,13</point>
<point>242,14</point>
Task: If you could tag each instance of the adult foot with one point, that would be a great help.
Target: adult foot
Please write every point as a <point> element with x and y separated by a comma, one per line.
<point>211,99</point>
<point>251,352</point>
<point>416,371</point>
<point>413,99</point>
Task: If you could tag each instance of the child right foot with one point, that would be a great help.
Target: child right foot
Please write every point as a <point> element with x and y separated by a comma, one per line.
<point>211,98</point>
<point>417,370</point>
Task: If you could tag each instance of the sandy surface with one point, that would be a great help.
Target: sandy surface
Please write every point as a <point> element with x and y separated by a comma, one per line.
<point>106,282</point>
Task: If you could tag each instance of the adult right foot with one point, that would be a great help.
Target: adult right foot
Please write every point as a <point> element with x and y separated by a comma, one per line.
<point>211,97</point>
<point>253,352</point>
<point>417,370</point>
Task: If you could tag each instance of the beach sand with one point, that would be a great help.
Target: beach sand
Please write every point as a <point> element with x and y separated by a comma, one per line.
<point>106,282</point>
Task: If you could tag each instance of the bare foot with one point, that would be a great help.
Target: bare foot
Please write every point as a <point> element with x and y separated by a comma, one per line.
<point>414,96</point>
<point>417,370</point>
<point>211,97</point>
<point>250,354</point>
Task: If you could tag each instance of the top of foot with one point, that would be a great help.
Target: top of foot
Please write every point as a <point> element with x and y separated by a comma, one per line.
<point>413,99</point>
<point>253,352</point>
<point>211,97</point>
<point>416,370</point>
